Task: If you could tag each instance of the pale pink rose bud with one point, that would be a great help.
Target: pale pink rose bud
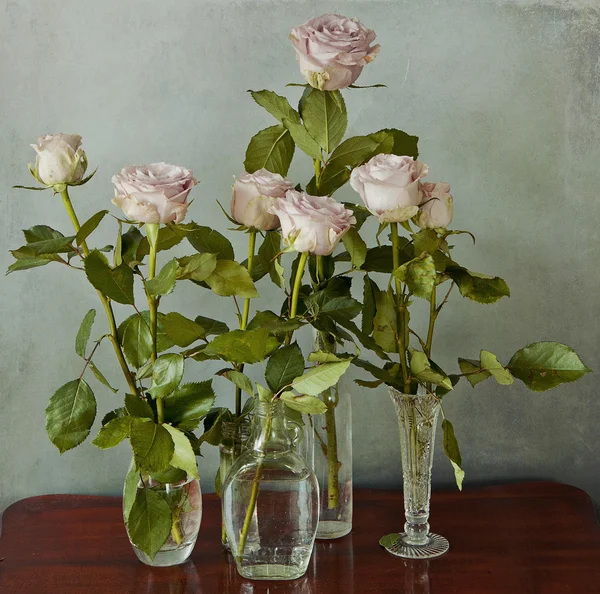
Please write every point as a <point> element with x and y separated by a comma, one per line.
<point>312,224</point>
<point>332,50</point>
<point>436,206</point>
<point>155,193</point>
<point>60,160</point>
<point>389,186</point>
<point>252,196</point>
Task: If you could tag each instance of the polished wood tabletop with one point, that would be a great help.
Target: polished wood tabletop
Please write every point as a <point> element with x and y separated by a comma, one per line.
<point>533,538</point>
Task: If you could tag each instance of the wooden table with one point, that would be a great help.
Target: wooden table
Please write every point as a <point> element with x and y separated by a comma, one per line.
<point>534,538</point>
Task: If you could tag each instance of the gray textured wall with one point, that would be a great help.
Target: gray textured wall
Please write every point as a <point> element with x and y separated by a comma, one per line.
<point>506,99</point>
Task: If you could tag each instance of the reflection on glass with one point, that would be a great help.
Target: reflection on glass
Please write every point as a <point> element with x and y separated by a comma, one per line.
<point>416,579</point>
<point>179,579</point>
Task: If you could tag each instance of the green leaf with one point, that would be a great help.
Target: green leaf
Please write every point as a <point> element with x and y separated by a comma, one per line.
<point>357,150</point>
<point>212,327</point>
<point>70,414</point>
<point>83,334</point>
<point>168,237</point>
<point>490,362</point>
<point>274,323</point>
<point>332,178</point>
<point>319,378</point>
<point>380,259</point>
<point>151,444</point>
<point>164,282</point>
<point>100,377</point>
<point>545,365</point>
<point>370,290</point>
<point>305,404</point>
<point>138,407</point>
<point>28,263</point>
<point>284,365</point>
<point>136,340</point>
<point>181,330</point>
<point>471,369</point>
<point>113,433</point>
<point>230,278</point>
<point>276,105</point>
<point>41,233</point>
<point>183,456</point>
<point>167,374</point>
<point>132,481</point>
<point>424,370</point>
<point>45,247</point>
<point>272,149</point>
<point>268,255</point>
<point>208,241</point>
<point>213,425</point>
<point>116,283</point>
<point>419,276</point>
<point>385,323</point>
<point>163,342</point>
<point>342,307</point>
<point>404,144</point>
<point>89,226</point>
<point>263,394</point>
<point>325,357</point>
<point>324,115</point>
<point>367,341</point>
<point>478,287</point>
<point>304,141</point>
<point>197,267</point>
<point>189,404</point>
<point>239,379</point>
<point>130,242</point>
<point>452,450</point>
<point>356,247</point>
<point>114,414</point>
<point>169,475</point>
<point>240,346</point>
<point>149,523</point>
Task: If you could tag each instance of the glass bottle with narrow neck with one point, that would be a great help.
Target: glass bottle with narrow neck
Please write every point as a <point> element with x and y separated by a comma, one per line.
<point>271,502</point>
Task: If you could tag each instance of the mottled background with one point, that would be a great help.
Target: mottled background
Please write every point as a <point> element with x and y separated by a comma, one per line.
<point>505,97</point>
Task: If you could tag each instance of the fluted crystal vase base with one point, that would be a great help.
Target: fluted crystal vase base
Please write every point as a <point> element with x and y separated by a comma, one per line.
<point>397,545</point>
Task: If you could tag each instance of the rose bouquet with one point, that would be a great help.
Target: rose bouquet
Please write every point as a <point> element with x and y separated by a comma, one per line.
<point>160,414</point>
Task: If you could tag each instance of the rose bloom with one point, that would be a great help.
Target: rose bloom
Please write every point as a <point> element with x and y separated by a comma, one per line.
<point>252,196</point>
<point>389,186</point>
<point>332,50</point>
<point>155,193</point>
<point>60,160</point>
<point>312,224</point>
<point>436,210</point>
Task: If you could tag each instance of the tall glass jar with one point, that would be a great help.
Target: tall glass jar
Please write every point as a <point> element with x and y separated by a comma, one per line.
<point>332,456</point>
<point>417,420</point>
<point>271,502</point>
<point>235,435</point>
<point>183,498</point>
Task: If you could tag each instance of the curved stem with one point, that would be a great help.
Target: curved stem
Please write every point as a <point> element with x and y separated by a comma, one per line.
<point>401,309</point>
<point>114,336</point>
<point>298,284</point>
<point>433,313</point>
<point>152,234</point>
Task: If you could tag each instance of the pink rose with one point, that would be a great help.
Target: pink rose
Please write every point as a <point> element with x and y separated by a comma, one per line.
<point>332,50</point>
<point>60,160</point>
<point>389,186</point>
<point>253,194</point>
<point>312,224</point>
<point>436,205</point>
<point>155,193</point>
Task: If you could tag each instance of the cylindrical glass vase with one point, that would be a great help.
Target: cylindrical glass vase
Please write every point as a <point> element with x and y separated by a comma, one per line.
<point>271,502</point>
<point>332,455</point>
<point>235,436</point>
<point>417,420</point>
<point>173,502</point>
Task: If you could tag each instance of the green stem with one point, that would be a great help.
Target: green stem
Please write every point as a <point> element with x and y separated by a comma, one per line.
<point>320,269</point>
<point>332,459</point>
<point>114,336</point>
<point>255,485</point>
<point>152,234</point>
<point>318,169</point>
<point>298,284</point>
<point>433,313</point>
<point>245,316</point>
<point>400,308</point>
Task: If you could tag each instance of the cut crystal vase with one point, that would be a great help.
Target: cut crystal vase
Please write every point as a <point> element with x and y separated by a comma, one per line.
<point>417,420</point>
